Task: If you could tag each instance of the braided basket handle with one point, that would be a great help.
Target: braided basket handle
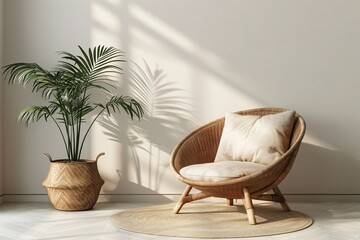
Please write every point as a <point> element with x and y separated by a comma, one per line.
<point>48,156</point>
<point>99,155</point>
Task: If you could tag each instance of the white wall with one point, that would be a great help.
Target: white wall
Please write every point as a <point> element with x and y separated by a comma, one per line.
<point>1,96</point>
<point>217,56</point>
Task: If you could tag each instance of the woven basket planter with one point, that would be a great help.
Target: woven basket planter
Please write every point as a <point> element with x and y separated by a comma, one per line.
<point>73,186</point>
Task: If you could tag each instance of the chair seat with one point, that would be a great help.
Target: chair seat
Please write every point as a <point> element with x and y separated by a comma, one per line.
<point>220,171</point>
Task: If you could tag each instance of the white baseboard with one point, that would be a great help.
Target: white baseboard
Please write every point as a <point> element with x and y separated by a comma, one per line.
<point>166,198</point>
<point>322,197</point>
<point>23,198</point>
<point>140,198</point>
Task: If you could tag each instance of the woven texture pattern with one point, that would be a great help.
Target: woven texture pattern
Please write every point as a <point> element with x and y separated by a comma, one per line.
<point>209,220</point>
<point>73,186</point>
<point>201,146</point>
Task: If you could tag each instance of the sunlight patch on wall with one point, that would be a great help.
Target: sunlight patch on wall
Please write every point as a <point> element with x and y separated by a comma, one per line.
<point>106,25</point>
<point>310,138</point>
<point>172,35</point>
<point>161,28</point>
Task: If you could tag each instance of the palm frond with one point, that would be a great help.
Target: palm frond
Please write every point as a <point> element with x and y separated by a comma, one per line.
<point>34,114</point>
<point>98,64</point>
<point>25,73</point>
<point>128,104</point>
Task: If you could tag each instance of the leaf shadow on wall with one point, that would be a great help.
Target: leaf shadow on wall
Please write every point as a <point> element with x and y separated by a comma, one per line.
<point>146,144</point>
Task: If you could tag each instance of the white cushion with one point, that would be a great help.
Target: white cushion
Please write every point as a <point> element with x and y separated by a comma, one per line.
<point>220,171</point>
<point>252,138</point>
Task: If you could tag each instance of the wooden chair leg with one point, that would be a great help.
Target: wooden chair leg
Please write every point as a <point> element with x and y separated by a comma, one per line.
<point>181,201</point>
<point>186,197</point>
<point>249,206</point>
<point>283,203</point>
<point>230,202</point>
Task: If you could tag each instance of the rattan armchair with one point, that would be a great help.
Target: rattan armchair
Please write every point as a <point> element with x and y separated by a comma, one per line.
<point>201,146</point>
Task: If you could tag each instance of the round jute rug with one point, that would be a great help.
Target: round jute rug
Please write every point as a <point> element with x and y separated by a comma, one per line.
<point>210,220</point>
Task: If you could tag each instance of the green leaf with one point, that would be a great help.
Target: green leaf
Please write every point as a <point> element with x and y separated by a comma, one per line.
<point>34,114</point>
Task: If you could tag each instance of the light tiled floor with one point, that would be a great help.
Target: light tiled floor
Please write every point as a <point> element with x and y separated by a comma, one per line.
<point>20,221</point>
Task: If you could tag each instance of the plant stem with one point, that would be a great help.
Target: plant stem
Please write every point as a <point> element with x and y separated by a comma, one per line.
<point>73,133</point>
<point>62,134</point>
<point>79,129</point>
<point>87,131</point>
<point>66,126</point>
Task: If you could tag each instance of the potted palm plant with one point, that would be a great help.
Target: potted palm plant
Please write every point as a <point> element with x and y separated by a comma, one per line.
<point>74,183</point>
